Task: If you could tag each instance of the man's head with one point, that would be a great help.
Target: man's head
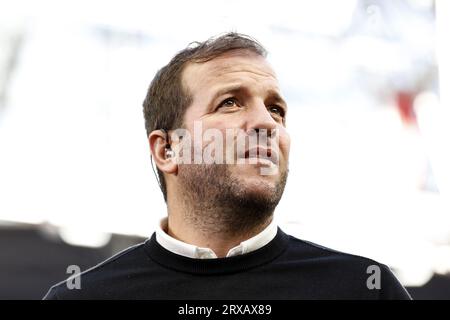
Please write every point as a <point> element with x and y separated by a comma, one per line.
<point>224,83</point>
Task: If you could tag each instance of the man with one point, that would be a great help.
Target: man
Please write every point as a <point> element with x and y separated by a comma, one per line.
<point>219,240</point>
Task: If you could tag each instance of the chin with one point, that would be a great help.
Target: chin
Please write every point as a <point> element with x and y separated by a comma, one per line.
<point>254,174</point>
<point>252,183</point>
<point>258,184</point>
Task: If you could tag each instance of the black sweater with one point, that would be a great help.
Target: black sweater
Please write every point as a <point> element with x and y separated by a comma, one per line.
<point>285,268</point>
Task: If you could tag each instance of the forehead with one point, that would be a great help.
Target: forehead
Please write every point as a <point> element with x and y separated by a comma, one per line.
<point>243,67</point>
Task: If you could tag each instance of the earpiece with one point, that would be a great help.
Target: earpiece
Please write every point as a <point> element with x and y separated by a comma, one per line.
<point>169,152</point>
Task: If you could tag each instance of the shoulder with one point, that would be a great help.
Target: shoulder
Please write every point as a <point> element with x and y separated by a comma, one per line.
<point>97,280</point>
<point>310,250</point>
<point>349,268</point>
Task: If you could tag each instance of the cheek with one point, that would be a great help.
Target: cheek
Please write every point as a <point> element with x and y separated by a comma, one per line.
<point>226,129</point>
<point>222,123</point>
<point>215,141</point>
<point>285,143</point>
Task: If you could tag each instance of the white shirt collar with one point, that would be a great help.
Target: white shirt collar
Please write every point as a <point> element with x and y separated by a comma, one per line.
<point>192,251</point>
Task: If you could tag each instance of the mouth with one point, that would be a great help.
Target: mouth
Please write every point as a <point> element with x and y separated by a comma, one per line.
<point>261,156</point>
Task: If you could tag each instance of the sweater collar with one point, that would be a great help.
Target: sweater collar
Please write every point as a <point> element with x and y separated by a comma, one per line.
<point>237,263</point>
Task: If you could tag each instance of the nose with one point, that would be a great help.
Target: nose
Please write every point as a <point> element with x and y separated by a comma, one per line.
<point>259,117</point>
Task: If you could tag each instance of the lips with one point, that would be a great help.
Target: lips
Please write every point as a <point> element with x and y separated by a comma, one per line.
<point>260,153</point>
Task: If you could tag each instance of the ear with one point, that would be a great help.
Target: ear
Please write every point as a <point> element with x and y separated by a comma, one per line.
<point>157,142</point>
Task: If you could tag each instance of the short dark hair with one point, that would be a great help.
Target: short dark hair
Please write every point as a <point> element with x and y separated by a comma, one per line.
<point>167,100</point>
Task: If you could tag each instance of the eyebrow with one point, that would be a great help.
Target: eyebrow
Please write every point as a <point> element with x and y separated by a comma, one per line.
<point>229,89</point>
<point>272,94</point>
<point>276,97</point>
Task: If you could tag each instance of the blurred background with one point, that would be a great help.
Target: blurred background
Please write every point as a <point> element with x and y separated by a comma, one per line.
<point>368,88</point>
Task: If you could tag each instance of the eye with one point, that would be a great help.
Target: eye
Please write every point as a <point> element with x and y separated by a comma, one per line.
<point>229,102</point>
<point>278,110</point>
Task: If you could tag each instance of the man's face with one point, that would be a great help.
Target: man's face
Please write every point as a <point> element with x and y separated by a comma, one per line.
<point>238,91</point>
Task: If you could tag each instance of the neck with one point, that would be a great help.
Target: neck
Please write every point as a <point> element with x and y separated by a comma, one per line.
<point>188,224</point>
